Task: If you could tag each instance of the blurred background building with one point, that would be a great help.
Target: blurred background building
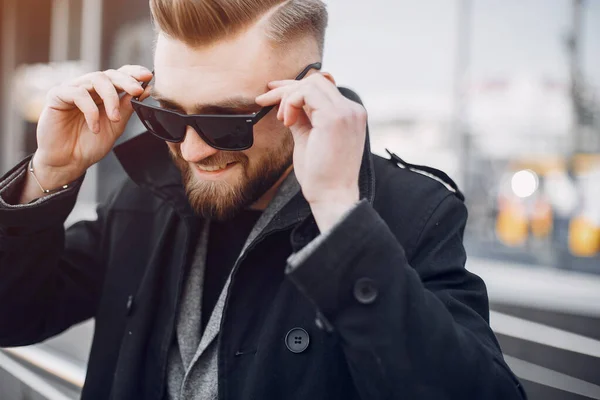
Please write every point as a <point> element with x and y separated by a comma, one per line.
<point>504,96</point>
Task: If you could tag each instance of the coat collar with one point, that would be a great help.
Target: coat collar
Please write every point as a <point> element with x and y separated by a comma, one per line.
<point>146,160</point>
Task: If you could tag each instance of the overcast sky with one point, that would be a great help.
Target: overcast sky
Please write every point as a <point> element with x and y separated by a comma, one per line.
<point>407,47</point>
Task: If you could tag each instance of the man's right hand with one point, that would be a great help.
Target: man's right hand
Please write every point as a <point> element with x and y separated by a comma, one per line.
<point>80,123</point>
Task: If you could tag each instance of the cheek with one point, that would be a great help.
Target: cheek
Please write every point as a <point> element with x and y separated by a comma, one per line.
<point>269,133</point>
<point>271,138</point>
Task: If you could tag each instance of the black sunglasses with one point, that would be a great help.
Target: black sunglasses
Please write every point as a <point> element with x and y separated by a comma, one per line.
<point>223,132</point>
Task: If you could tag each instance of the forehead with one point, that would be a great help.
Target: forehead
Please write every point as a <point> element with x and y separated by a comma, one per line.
<point>239,67</point>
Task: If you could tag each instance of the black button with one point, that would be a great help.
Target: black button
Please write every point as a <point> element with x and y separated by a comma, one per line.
<point>365,291</point>
<point>297,340</point>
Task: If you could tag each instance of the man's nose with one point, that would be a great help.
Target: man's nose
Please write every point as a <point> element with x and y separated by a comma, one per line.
<point>193,148</point>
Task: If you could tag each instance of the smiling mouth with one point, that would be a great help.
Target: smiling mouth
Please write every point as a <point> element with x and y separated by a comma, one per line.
<point>215,168</point>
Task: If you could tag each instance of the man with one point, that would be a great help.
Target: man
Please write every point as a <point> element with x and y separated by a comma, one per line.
<point>279,260</point>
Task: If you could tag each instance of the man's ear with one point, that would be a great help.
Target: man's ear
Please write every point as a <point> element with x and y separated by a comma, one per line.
<point>329,77</point>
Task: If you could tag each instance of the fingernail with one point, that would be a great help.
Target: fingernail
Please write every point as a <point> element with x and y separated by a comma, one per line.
<point>116,114</point>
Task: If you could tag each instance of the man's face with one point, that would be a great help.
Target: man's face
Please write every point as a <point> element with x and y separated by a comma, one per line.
<point>225,79</point>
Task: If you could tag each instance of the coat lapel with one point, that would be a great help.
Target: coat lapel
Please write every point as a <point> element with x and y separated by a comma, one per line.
<point>189,317</point>
<point>192,346</point>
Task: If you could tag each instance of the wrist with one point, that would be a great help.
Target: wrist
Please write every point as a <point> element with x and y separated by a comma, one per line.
<point>331,209</point>
<point>52,178</point>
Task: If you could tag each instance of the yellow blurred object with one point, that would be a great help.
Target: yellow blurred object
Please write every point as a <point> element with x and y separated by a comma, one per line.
<point>583,163</point>
<point>541,165</point>
<point>584,237</point>
<point>512,224</point>
<point>542,219</point>
<point>33,109</point>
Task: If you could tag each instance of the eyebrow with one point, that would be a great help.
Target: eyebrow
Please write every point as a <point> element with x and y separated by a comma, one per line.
<point>231,105</point>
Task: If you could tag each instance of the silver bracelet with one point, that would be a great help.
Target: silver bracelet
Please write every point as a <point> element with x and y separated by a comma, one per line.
<point>46,191</point>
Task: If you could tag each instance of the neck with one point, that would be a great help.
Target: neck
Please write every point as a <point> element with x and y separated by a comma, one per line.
<point>262,203</point>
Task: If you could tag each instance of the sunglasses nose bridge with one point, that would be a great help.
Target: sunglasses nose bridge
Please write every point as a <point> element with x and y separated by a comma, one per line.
<point>193,147</point>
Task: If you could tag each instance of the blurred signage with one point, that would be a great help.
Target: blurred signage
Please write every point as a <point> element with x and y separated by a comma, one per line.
<point>520,105</point>
<point>520,114</point>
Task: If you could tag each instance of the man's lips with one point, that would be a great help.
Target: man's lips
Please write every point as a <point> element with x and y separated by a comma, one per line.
<point>214,168</point>
<point>213,172</point>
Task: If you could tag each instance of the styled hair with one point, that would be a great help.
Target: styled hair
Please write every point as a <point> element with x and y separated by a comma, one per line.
<point>202,22</point>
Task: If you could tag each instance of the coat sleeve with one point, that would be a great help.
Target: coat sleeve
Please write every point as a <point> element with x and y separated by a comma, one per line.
<point>50,279</point>
<point>417,330</point>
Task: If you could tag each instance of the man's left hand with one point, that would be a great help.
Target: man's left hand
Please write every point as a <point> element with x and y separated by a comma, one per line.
<point>329,134</point>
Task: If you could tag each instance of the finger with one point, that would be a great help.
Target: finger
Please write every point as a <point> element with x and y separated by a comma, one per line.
<point>67,97</point>
<point>280,88</point>
<point>278,84</point>
<point>310,96</point>
<point>84,81</point>
<point>108,93</point>
<point>305,98</point>
<point>125,82</point>
<point>296,111</point>
<point>137,72</point>
<point>126,107</point>
<point>295,118</point>
<point>126,113</point>
<point>280,109</point>
<point>294,106</point>
<point>301,127</point>
<point>272,97</point>
<point>282,106</point>
<point>318,79</point>
<point>325,85</point>
<point>146,93</point>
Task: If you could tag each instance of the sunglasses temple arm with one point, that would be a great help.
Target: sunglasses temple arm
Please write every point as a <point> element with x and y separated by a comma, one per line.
<point>302,74</point>
<point>262,113</point>
<point>306,70</point>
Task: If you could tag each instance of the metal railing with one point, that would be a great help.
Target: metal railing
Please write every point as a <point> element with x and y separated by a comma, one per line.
<point>44,372</point>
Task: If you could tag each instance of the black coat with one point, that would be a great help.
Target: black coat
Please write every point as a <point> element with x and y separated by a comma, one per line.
<point>390,311</point>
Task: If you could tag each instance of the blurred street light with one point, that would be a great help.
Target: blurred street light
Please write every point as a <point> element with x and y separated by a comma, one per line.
<point>524,183</point>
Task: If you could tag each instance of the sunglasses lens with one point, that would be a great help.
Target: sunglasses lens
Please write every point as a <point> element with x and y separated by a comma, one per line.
<point>166,125</point>
<point>226,133</point>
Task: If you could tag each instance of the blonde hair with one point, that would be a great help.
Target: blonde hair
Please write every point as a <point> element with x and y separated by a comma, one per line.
<point>203,22</point>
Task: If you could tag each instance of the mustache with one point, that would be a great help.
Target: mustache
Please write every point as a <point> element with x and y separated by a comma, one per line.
<point>220,158</point>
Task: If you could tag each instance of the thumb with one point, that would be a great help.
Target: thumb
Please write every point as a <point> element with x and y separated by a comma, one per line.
<point>125,102</point>
<point>301,128</point>
<point>126,111</point>
<point>125,105</point>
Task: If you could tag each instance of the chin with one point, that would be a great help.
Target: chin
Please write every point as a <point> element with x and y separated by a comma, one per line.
<point>218,200</point>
